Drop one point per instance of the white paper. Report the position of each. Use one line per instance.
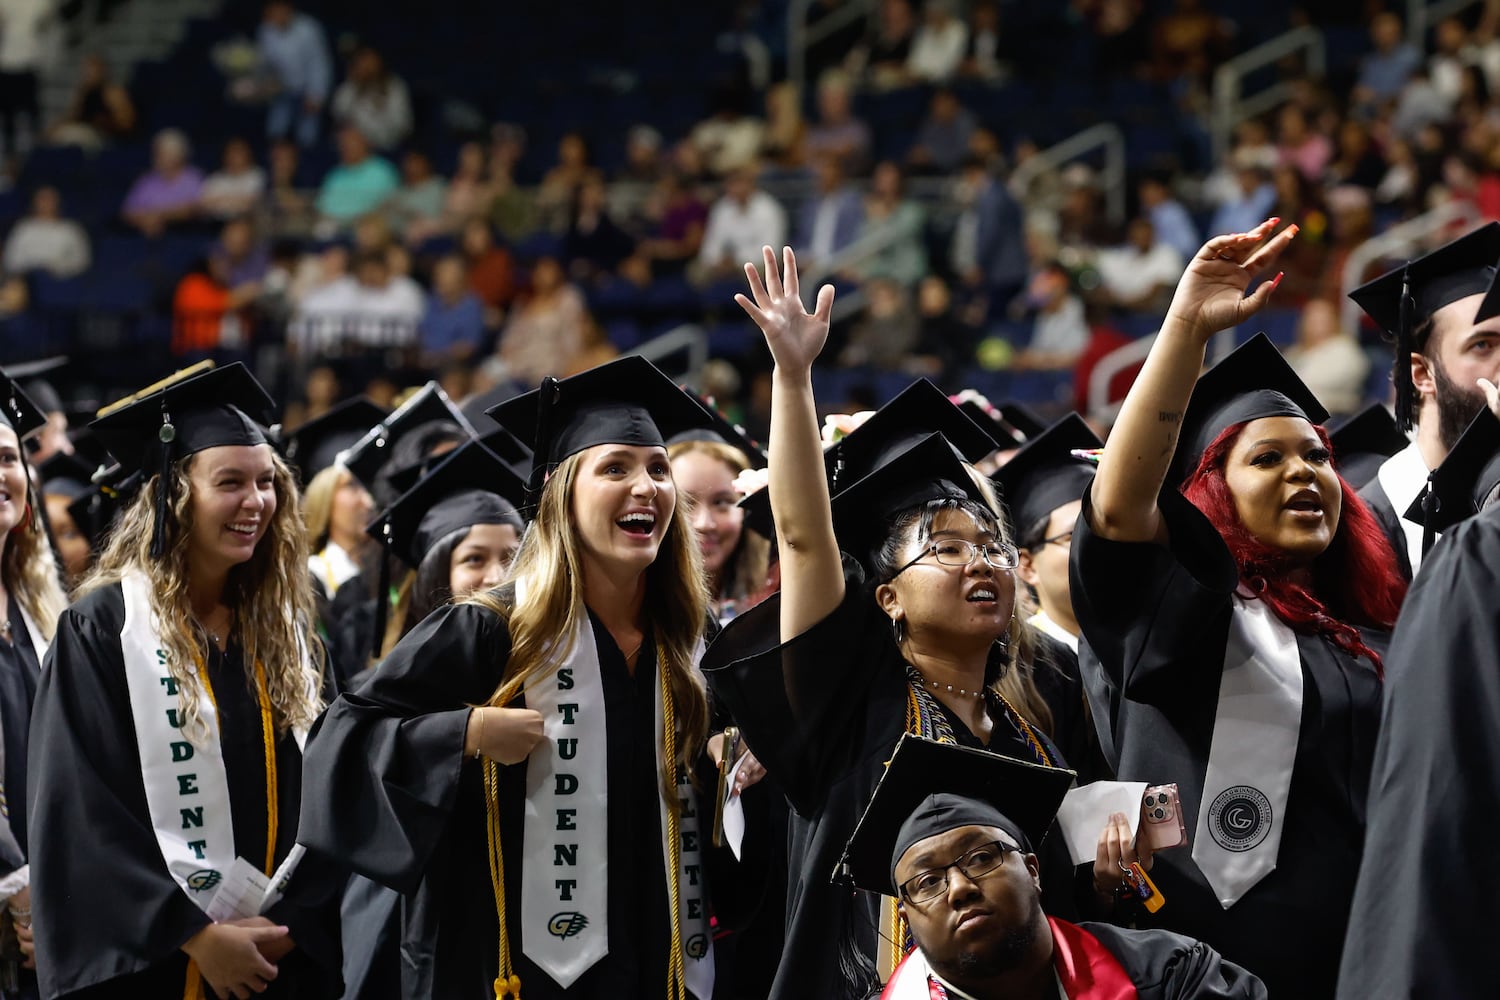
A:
(734, 809)
(1086, 810)
(247, 891)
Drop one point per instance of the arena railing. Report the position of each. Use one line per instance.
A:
(1399, 242)
(1103, 136)
(1232, 106)
(1420, 15)
(799, 34)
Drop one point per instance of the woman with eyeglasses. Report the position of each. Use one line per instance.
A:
(911, 634)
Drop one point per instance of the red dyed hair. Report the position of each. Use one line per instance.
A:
(1354, 581)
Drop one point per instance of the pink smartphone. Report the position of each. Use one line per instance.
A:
(1161, 819)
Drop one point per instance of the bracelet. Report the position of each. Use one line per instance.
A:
(479, 736)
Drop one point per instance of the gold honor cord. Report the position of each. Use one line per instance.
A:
(676, 974)
(507, 983)
(193, 988)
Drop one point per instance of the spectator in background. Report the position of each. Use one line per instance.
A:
(546, 330)
(938, 46)
(294, 55)
(1383, 72)
(491, 270)
(468, 192)
(988, 252)
(1061, 330)
(100, 110)
(885, 55)
(1419, 105)
(674, 237)
(554, 198)
(290, 203)
(830, 220)
(1301, 146)
(1355, 160)
(1329, 359)
(359, 184)
(238, 257)
(945, 136)
(644, 166)
(1447, 63)
(739, 224)
(374, 100)
(416, 208)
(1140, 275)
(983, 57)
(209, 314)
(512, 209)
(1251, 199)
(453, 327)
(784, 142)
(1252, 147)
(885, 335)
(45, 241)
(237, 186)
(1186, 41)
(373, 309)
(1173, 222)
(837, 131)
(944, 335)
(729, 139)
(168, 194)
(594, 244)
(896, 222)
(21, 60)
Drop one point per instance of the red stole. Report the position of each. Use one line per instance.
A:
(1087, 969)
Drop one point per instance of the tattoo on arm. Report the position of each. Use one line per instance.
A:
(1169, 416)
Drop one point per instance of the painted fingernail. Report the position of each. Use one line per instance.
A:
(1276, 281)
(1294, 229)
(1274, 220)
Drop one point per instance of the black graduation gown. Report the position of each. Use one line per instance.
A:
(1167, 966)
(1389, 519)
(110, 920)
(19, 672)
(1060, 683)
(1156, 621)
(391, 793)
(823, 712)
(1423, 921)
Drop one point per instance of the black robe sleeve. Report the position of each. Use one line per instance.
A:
(1421, 924)
(383, 764)
(1167, 966)
(1389, 519)
(111, 909)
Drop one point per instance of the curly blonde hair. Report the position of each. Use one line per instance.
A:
(269, 594)
(551, 563)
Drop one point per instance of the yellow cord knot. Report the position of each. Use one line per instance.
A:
(510, 987)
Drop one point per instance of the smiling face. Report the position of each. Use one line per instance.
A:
(482, 558)
(977, 928)
(939, 603)
(232, 500)
(718, 521)
(12, 480)
(622, 504)
(1284, 488)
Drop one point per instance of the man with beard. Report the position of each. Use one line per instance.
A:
(949, 832)
(1442, 312)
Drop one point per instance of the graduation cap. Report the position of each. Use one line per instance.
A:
(1363, 442)
(1458, 488)
(724, 432)
(66, 475)
(931, 788)
(316, 445)
(179, 416)
(30, 373)
(627, 401)
(18, 410)
(1402, 300)
(1254, 381)
(500, 441)
(1045, 474)
(94, 512)
(367, 456)
(476, 407)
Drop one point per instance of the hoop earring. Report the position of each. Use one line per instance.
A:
(898, 629)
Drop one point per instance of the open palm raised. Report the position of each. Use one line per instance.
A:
(794, 335)
(1211, 293)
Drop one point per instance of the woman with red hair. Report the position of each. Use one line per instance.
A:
(1235, 596)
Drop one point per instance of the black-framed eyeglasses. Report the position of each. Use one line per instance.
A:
(926, 886)
(1064, 539)
(961, 552)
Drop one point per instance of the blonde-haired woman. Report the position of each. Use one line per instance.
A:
(31, 598)
(169, 721)
(518, 764)
(736, 561)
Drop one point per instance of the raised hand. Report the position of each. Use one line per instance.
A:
(1211, 293)
(794, 335)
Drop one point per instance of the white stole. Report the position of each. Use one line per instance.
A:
(187, 790)
(565, 838)
(1249, 778)
(1402, 477)
(1043, 622)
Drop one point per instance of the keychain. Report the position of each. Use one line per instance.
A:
(1140, 883)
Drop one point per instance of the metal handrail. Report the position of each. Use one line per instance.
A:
(689, 336)
(1420, 13)
(799, 35)
(1231, 107)
(1113, 177)
(1399, 240)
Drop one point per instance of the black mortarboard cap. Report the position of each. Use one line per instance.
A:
(470, 485)
(18, 410)
(996, 426)
(367, 456)
(94, 512)
(1457, 487)
(500, 441)
(724, 432)
(1045, 474)
(180, 416)
(316, 445)
(1254, 381)
(1023, 418)
(42, 392)
(476, 407)
(931, 788)
(1403, 299)
(1363, 442)
(66, 475)
(627, 401)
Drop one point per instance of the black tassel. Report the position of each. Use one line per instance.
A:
(383, 592)
(1430, 507)
(1401, 373)
(546, 400)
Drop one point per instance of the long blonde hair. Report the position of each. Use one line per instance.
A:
(317, 504)
(543, 621)
(30, 570)
(745, 570)
(269, 594)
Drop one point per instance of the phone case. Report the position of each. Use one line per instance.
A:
(1161, 820)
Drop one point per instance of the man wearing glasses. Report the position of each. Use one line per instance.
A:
(950, 832)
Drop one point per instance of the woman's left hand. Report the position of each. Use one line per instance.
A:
(1116, 851)
(1210, 294)
(751, 771)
